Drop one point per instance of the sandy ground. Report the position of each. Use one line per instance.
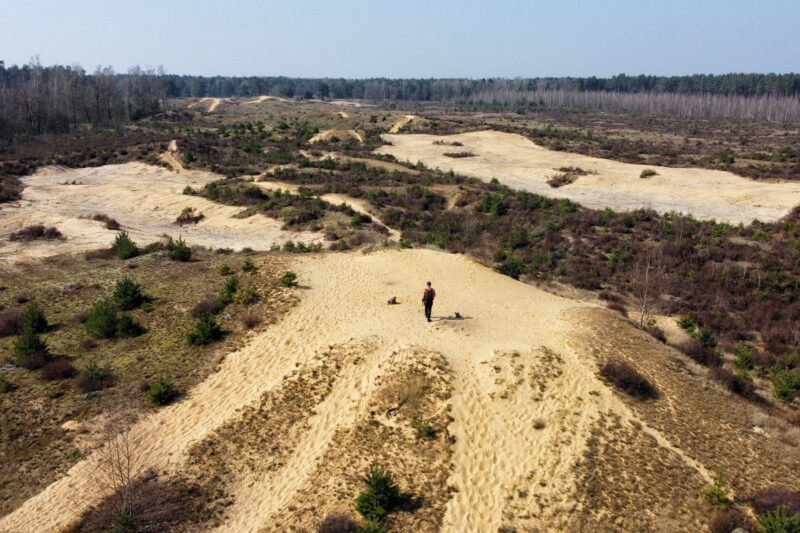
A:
(144, 199)
(400, 123)
(521, 164)
(265, 98)
(510, 333)
(213, 103)
(342, 135)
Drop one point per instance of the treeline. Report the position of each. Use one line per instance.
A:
(36, 99)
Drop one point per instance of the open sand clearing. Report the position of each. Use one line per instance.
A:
(264, 98)
(526, 408)
(342, 135)
(402, 122)
(213, 103)
(521, 164)
(144, 199)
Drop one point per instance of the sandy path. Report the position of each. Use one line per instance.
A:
(521, 164)
(264, 98)
(144, 199)
(512, 366)
(342, 135)
(214, 103)
(400, 123)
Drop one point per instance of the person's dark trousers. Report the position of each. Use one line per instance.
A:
(428, 308)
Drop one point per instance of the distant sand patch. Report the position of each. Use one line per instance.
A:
(342, 135)
(521, 164)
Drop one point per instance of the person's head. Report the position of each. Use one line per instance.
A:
(429, 284)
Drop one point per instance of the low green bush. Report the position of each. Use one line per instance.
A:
(124, 247)
(718, 494)
(101, 322)
(30, 350)
(380, 496)
(128, 327)
(205, 330)
(244, 295)
(127, 294)
(33, 318)
(162, 391)
(224, 270)
(406, 243)
(289, 279)
(786, 384)
(179, 251)
(5, 385)
(780, 521)
(225, 295)
(648, 172)
(424, 428)
(248, 266)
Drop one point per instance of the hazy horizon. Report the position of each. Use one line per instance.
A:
(450, 39)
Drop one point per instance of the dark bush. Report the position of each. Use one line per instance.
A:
(206, 330)
(101, 322)
(337, 523)
(774, 496)
(93, 378)
(58, 369)
(706, 338)
(5, 385)
(702, 354)
(10, 323)
(179, 251)
(162, 391)
(726, 521)
(656, 332)
(225, 295)
(38, 231)
(127, 294)
(626, 378)
(124, 247)
(109, 222)
(780, 521)
(206, 307)
(512, 267)
(618, 307)
(734, 383)
(381, 495)
(189, 216)
(128, 327)
(251, 320)
(786, 384)
(33, 317)
(30, 350)
(248, 266)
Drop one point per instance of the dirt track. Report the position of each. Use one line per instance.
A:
(521, 164)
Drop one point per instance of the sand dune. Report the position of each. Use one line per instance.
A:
(264, 98)
(525, 399)
(213, 103)
(521, 164)
(144, 199)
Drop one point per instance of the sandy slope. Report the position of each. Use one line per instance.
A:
(144, 199)
(213, 103)
(525, 397)
(521, 164)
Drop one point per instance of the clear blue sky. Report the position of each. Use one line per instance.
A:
(408, 38)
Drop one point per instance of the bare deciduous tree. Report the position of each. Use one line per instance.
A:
(647, 281)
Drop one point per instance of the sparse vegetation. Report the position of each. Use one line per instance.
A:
(647, 173)
(380, 496)
(289, 279)
(179, 250)
(162, 391)
(248, 267)
(718, 494)
(205, 331)
(124, 247)
(423, 428)
(31, 233)
(189, 216)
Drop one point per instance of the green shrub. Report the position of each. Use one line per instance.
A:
(179, 251)
(513, 266)
(30, 350)
(5, 385)
(244, 295)
(33, 318)
(406, 243)
(224, 270)
(424, 428)
(289, 279)
(786, 384)
(717, 495)
(162, 390)
(372, 526)
(686, 323)
(127, 294)
(248, 266)
(646, 173)
(206, 330)
(225, 295)
(706, 338)
(780, 521)
(380, 496)
(124, 247)
(101, 322)
(744, 361)
(128, 327)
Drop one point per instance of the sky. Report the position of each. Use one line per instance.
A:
(408, 38)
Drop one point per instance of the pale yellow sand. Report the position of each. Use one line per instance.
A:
(402, 122)
(213, 103)
(342, 135)
(521, 164)
(496, 442)
(144, 199)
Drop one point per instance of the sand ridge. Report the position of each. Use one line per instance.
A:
(521, 164)
(213, 103)
(397, 126)
(342, 135)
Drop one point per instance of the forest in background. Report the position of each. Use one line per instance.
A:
(35, 99)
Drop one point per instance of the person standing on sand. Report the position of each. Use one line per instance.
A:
(427, 299)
